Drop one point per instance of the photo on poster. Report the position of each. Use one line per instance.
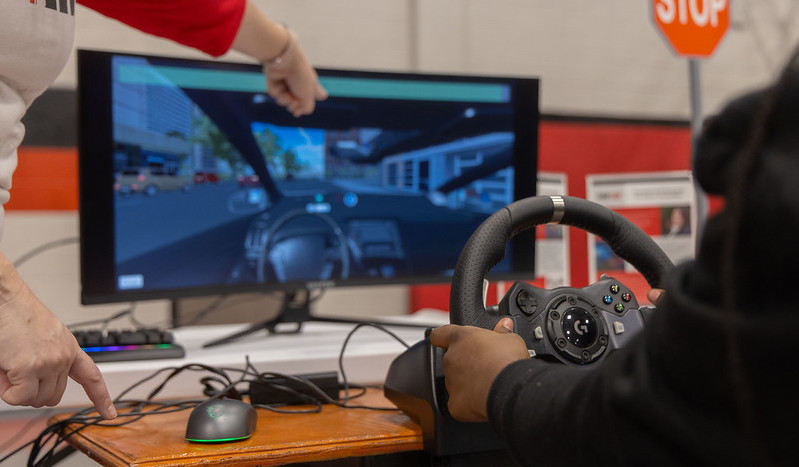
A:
(662, 204)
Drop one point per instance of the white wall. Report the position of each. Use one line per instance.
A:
(53, 274)
(595, 58)
(600, 58)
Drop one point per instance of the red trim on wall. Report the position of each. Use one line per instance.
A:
(579, 149)
(436, 296)
(46, 179)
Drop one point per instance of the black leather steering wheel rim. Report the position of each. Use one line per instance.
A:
(486, 247)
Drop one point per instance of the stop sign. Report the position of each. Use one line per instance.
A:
(692, 27)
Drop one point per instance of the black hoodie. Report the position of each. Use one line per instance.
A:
(713, 380)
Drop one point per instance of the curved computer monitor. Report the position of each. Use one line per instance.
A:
(193, 181)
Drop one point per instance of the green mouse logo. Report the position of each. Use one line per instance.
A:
(215, 410)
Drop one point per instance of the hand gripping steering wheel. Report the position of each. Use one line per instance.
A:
(572, 325)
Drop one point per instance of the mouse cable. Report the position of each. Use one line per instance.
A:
(56, 432)
(37, 441)
(24, 430)
(227, 390)
(176, 371)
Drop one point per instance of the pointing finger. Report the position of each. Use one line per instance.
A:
(85, 372)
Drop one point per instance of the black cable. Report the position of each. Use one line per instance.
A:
(22, 431)
(215, 305)
(132, 317)
(315, 395)
(344, 347)
(262, 377)
(104, 321)
(56, 431)
(204, 312)
(174, 372)
(42, 248)
(317, 297)
(58, 456)
(218, 385)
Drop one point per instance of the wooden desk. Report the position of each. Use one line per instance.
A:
(279, 439)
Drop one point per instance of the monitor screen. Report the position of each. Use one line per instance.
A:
(193, 181)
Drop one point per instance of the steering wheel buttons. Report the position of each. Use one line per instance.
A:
(531, 352)
(626, 297)
(618, 327)
(607, 299)
(538, 332)
(614, 288)
(619, 307)
(526, 302)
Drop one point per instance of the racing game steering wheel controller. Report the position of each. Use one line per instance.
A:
(577, 327)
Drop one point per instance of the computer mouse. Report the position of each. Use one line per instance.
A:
(221, 420)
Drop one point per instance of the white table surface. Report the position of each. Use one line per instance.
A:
(366, 360)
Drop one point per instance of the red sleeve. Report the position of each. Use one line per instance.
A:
(207, 25)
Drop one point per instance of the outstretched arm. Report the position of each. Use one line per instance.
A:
(290, 79)
(215, 27)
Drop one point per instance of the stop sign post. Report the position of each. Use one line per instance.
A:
(693, 28)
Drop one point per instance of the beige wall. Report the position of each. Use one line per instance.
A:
(594, 58)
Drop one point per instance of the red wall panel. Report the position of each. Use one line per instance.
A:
(46, 179)
(581, 148)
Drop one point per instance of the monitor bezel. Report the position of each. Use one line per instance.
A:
(96, 200)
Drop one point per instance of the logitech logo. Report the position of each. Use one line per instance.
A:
(580, 327)
(319, 284)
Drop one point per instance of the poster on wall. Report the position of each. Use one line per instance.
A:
(662, 204)
(552, 240)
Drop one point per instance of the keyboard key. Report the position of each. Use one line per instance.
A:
(128, 345)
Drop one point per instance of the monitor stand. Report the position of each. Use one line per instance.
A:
(298, 311)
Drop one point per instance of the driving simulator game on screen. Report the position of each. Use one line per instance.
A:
(215, 184)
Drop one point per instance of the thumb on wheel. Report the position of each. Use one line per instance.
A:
(504, 326)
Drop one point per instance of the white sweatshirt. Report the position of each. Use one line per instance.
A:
(35, 42)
